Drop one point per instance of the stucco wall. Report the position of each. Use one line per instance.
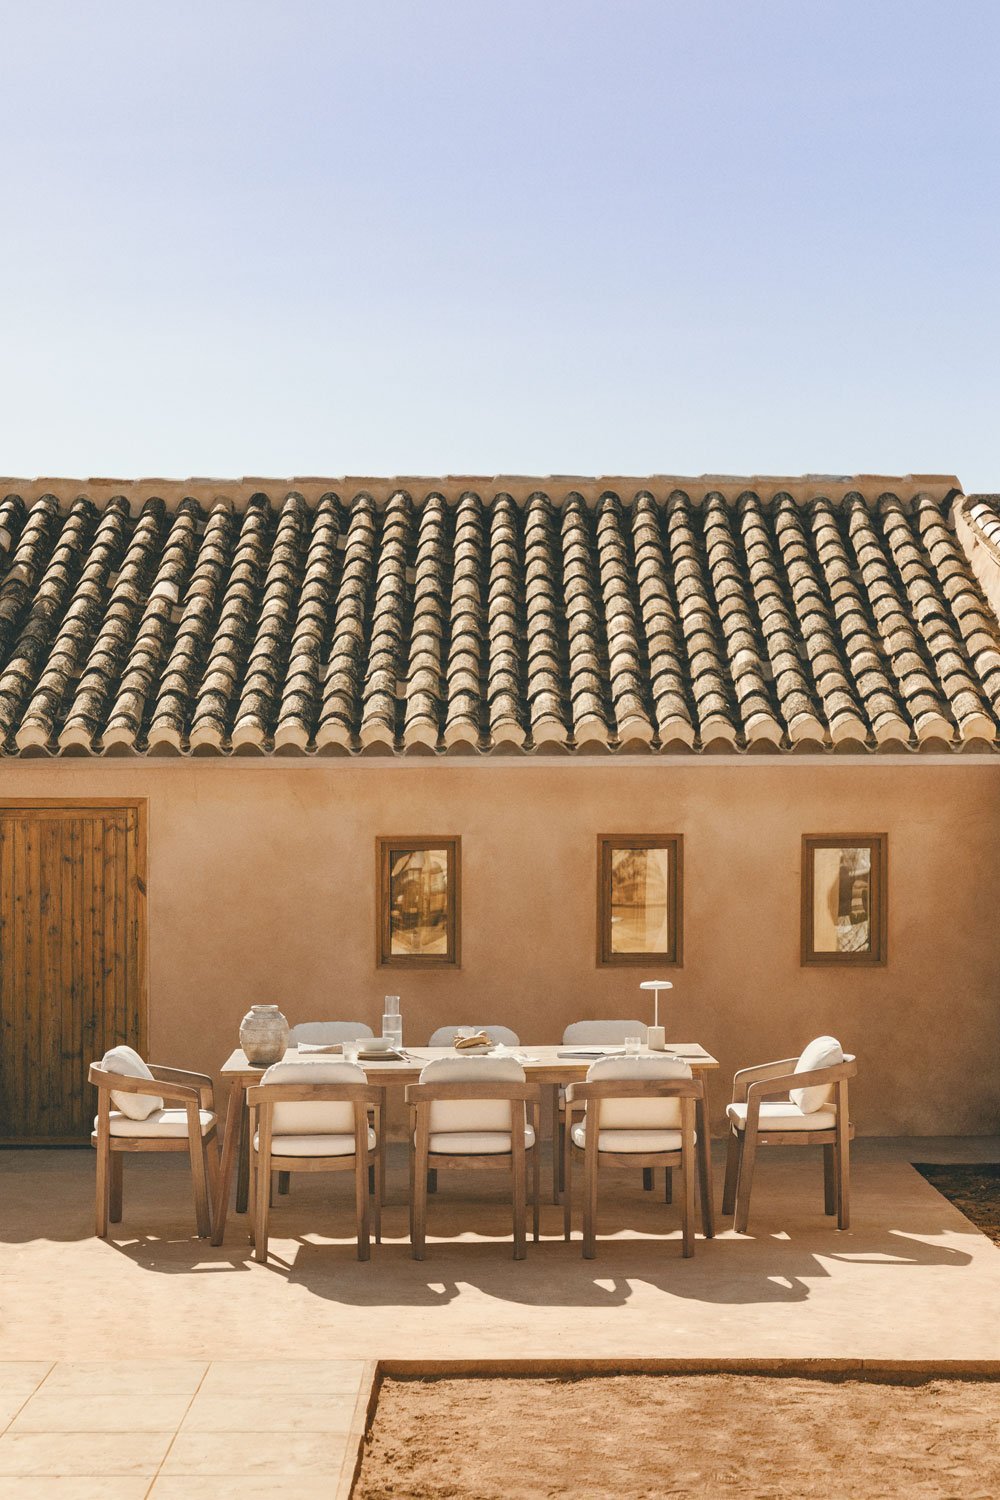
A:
(261, 887)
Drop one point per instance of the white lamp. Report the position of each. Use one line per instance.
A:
(655, 1037)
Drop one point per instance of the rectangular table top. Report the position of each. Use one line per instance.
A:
(541, 1064)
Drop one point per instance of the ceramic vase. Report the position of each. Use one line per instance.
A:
(263, 1035)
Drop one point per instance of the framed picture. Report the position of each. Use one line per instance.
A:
(419, 901)
(639, 885)
(844, 898)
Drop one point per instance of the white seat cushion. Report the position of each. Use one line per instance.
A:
(824, 1052)
(445, 1035)
(314, 1145)
(328, 1117)
(602, 1033)
(637, 1142)
(161, 1122)
(784, 1115)
(476, 1142)
(126, 1060)
(328, 1033)
(462, 1116)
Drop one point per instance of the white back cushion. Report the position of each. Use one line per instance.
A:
(611, 1032)
(471, 1114)
(326, 1033)
(126, 1060)
(638, 1114)
(824, 1052)
(322, 1118)
(444, 1035)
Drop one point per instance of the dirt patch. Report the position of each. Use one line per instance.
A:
(974, 1190)
(645, 1437)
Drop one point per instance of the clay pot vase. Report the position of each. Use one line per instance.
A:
(264, 1035)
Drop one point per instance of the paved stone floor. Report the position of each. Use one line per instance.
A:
(247, 1370)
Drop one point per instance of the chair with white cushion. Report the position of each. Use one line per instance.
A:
(793, 1102)
(313, 1117)
(473, 1112)
(328, 1033)
(148, 1108)
(631, 1111)
(502, 1035)
(588, 1034)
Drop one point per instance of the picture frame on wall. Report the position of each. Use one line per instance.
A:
(639, 899)
(418, 912)
(845, 907)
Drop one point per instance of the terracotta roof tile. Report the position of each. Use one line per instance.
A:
(466, 622)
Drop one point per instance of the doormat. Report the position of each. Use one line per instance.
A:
(974, 1190)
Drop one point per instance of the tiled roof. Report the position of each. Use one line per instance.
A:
(656, 618)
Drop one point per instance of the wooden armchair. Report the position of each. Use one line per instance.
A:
(669, 1141)
(821, 1118)
(188, 1127)
(319, 1124)
(474, 1112)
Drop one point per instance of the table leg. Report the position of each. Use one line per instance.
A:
(704, 1163)
(556, 1143)
(235, 1111)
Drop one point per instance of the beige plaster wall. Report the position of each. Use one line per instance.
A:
(261, 887)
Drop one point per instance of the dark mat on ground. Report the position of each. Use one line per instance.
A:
(974, 1190)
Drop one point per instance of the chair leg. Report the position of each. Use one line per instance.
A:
(261, 1211)
(101, 1190)
(536, 1189)
(284, 1183)
(214, 1168)
(688, 1170)
(743, 1186)
(115, 1195)
(519, 1190)
(590, 1202)
(418, 1234)
(199, 1174)
(361, 1207)
(566, 1176)
(733, 1153)
(668, 1185)
(829, 1180)
(647, 1179)
(843, 1151)
(556, 1144)
(377, 1197)
(432, 1180)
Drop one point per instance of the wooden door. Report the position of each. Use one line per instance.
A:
(72, 959)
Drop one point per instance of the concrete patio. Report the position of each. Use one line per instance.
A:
(179, 1340)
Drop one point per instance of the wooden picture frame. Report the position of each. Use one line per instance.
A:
(418, 911)
(665, 912)
(849, 926)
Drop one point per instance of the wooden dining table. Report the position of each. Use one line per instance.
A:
(551, 1065)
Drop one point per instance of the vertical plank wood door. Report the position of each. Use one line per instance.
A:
(72, 960)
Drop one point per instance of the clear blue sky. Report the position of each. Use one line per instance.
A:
(643, 236)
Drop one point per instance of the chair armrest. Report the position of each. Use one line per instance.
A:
(470, 1092)
(122, 1083)
(772, 1088)
(315, 1093)
(622, 1088)
(201, 1081)
(746, 1076)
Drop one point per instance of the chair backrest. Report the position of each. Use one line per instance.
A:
(823, 1052)
(444, 1035)
(326, 1033)
(463, 1115)
(126, 1060)
(611, 1032)
(325, 1117)
(638, 1114)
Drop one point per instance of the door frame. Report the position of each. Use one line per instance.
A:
(140, 806)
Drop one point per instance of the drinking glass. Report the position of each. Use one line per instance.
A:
(633, 1046)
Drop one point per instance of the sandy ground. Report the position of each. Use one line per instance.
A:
(648, 1437)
